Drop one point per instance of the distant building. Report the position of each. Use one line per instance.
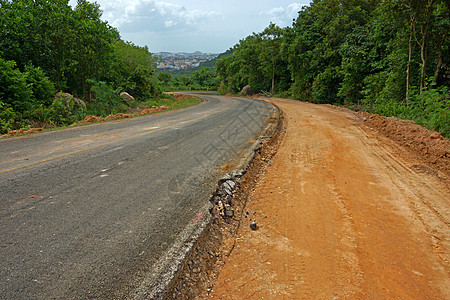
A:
(181, 61)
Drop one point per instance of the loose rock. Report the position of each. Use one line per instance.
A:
(127, 97)
(229, 213)
(228, 187)
(246, 91)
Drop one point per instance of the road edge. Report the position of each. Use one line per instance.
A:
(227, 208)
(202, 234)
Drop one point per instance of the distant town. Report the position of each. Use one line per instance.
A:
(182, 61)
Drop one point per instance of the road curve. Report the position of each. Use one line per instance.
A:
(85, 212)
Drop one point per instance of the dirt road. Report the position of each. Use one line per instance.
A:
(342, 214)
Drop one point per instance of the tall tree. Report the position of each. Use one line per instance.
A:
(271, 39)
(93, 45)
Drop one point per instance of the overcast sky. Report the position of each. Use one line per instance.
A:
(196, 25)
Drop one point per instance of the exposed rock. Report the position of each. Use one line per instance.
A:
(246, 91)
(127, 97)
(229, 200)
(70, 100)
(228, 187)
(253, 226)
(79, 102)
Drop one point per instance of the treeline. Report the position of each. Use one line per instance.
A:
(47, 46)
(203, 79)
(386, 56)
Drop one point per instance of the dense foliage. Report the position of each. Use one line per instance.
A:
(47, 46)
(202, 79)
(387, 56)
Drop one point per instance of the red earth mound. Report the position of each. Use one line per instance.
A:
(430, 145)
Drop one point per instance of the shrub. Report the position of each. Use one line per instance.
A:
(14, 89)
(64, 110)
(41, 86)
(106, 99)
(7, 117)
(430, 108)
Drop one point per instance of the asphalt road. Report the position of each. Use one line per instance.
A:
(86, 212)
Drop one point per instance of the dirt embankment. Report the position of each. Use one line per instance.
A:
(142, 112)
(427, 145)
(343, 211)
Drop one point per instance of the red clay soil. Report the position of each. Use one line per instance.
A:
(22, 131)
(146, 111)
(344, 212)
(429, 146)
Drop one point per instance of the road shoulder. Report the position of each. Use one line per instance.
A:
(341, 213)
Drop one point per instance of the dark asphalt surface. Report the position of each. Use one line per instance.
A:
(85, 212)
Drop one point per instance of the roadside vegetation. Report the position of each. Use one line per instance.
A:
(48, 48)
(389, 57)
(201, 80)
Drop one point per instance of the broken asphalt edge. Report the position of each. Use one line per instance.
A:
(157, 283)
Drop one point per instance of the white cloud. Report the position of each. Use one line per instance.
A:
(283, 16)
(277, 11)
(147, 15)
(170, 23)
(293, 9)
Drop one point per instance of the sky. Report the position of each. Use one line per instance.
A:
(211, 26)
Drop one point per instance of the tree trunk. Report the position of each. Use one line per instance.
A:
(423, 68)
(273, 78)
(439, 62)
(425, 28)
(408, 66)
(83, 85)
(422, 44)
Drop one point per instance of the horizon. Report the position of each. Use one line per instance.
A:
(183, 52)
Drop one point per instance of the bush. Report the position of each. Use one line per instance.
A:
(63, 111)
(325, 87)
(7, 117)
(106, 100)
(14, 89)
(41, 86)
(21, 94)
(431, 108)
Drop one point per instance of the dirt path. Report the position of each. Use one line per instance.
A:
(341, 214)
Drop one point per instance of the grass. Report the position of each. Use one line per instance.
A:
(170, 101)
(179, 104)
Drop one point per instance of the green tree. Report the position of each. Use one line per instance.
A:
(38, 32)
(165, 78)
(14, 89)
(134, 70)
(41, 86)
(94, 52)
(203, 78)
(271, 40)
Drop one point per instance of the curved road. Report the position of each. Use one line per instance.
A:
(86, 212)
